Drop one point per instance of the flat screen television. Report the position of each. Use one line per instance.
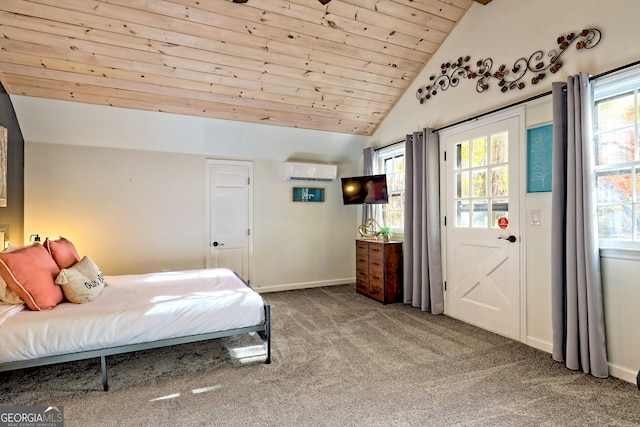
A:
(370, 189)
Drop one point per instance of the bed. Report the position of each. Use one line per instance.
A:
(135, 312)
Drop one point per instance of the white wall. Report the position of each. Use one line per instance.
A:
(506, 30)
(128, 188)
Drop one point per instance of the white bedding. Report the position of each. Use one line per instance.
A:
(8, 310)
(135, 309)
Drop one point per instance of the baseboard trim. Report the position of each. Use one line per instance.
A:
(305, 285)
(540, 345)
(620, 372)
(623, 373)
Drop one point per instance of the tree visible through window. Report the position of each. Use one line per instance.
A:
(391, 163)
(482, 181)
(617, 158)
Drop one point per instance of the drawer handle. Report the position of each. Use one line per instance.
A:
(374, 277)
(375, 263)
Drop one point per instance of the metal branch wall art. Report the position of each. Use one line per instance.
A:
(508, 78)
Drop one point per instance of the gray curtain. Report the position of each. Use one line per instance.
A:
(577, 307)
(422, 265)
(369, 156)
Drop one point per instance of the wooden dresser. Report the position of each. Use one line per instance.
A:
(379, 270)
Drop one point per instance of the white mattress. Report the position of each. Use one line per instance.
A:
(135, 309)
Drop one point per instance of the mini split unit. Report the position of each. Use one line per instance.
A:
(309, 171)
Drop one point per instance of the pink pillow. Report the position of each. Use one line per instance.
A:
(62, 251)
(30, 272)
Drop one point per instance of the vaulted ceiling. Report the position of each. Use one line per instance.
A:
(298, 63)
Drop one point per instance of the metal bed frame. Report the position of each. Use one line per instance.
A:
(263, 330)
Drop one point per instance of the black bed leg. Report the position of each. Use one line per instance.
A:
(267, 337)
(105, 382)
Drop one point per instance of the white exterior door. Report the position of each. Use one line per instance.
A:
(230, 216)
(481, 197)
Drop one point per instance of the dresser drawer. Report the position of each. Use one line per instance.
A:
(362, 263)
(376, 276)
(376, 250)
(362, 286)
(362, 273)
(376, 265)
(362, 248)
(376, 287)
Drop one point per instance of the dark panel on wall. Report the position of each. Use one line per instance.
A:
(13, 214)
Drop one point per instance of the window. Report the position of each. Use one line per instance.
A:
(482, 180)
(391, 163)
(617, 159)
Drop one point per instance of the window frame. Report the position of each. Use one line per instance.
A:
(608, 88)
(382, 155)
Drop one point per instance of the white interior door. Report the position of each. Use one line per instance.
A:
(482, 193)
(231, 216)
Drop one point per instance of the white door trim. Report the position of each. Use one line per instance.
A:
(519, 112)
(208, 164)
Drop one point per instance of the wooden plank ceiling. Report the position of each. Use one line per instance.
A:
(336, 67)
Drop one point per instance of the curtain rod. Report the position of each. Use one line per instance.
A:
(606, 73)
(388, 145)
(532, 98)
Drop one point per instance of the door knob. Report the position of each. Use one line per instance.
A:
(511, 238)
(217, 244)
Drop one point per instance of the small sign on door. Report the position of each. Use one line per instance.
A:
(503, 222)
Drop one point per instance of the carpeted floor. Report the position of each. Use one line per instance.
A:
(339, 359)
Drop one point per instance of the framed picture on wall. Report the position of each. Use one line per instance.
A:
(307, 194)
(539, 158)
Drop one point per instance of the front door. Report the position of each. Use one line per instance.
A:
(230, 216)
(482, 224)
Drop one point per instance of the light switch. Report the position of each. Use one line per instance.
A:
(535, 217)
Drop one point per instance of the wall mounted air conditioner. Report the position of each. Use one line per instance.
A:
(309, 171)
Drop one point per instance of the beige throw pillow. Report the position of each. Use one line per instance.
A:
(7, 295)
(81, 283)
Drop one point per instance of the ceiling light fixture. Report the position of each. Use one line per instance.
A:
(239, 1)
(324, 1)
